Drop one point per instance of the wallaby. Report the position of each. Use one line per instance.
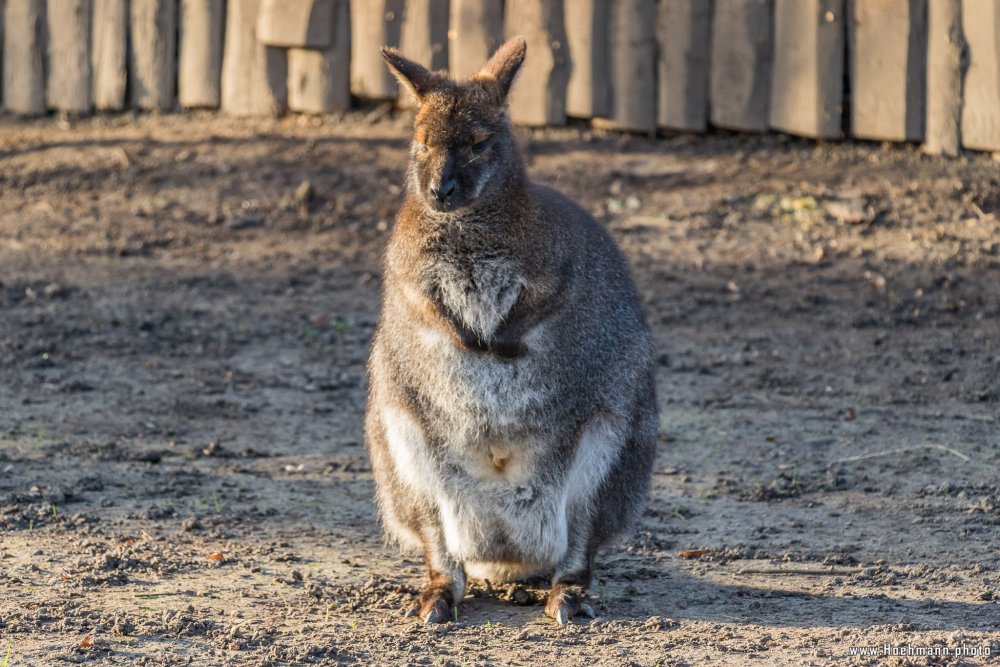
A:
(512, 415)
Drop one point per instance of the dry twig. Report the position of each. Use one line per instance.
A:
(805, 571)
(903, 450)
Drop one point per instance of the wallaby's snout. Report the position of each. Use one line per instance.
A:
(435, 172)
(462, 145)
(443, 190)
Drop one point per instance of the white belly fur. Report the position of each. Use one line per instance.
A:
(477, 502)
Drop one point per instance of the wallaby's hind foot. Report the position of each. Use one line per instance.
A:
(436, 603)
(567, 601)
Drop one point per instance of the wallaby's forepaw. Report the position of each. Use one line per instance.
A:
(435, 604)
(567, 601)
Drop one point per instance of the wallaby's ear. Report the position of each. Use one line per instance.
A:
(505, 63)
(415, 77)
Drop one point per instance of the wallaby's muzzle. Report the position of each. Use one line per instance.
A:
(443, 190)
(454, 176)
(443, 187)
(439, 182)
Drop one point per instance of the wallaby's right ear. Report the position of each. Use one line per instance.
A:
(505, 63)
(415, 77)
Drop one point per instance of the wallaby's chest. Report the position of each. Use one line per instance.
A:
(475, 388)
(478, 291)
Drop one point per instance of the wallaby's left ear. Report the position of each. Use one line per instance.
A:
(415, 77)
(505, 63)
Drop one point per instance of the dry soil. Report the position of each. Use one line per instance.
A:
(186, 304)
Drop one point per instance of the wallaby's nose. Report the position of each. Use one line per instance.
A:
(444, 189)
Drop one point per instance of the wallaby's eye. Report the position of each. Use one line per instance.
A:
(420, 140)
(480, 140)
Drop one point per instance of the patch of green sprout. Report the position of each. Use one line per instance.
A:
(309, 332)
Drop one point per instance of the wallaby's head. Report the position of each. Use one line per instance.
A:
(462, 143)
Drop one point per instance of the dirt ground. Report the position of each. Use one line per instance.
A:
(185, 310)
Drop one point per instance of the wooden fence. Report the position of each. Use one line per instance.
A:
(897, 70)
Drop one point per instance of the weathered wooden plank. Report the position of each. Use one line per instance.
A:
(254, 76)
(633, 65)
(887, 41)
(945, 44)
(740, 76)
(684, 32)
(539, 96)
(152, 53)
(807, 79)
(3, 11)
(199, 62)
(68, 86)
(981, 88)
(374, 24)
(424, 33)
(109, 52)
(296, 23)
(319, 81)
(587, 93)
(475, 33)
(24, 57)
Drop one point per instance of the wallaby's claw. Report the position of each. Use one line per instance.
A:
(439, 612)
(433, 605)
(566, 601)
